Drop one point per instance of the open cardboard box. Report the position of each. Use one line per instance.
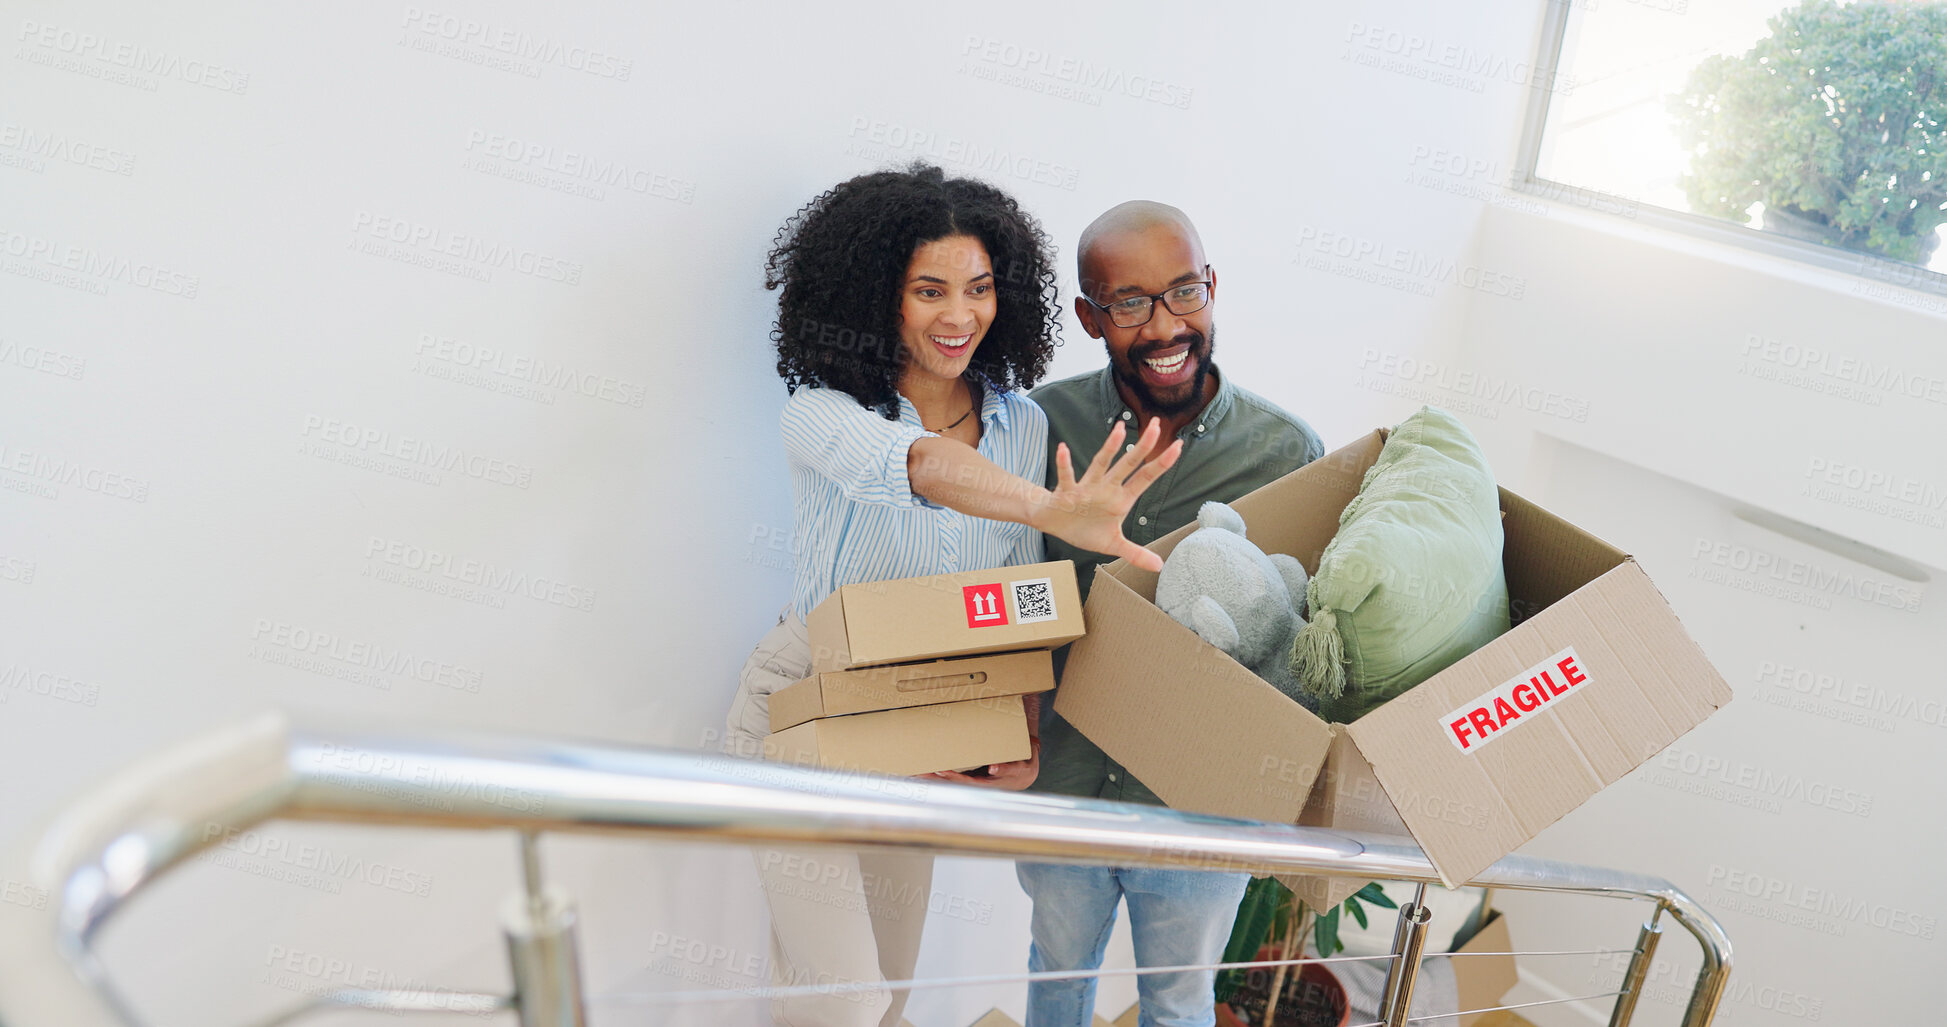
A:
(1209, 736)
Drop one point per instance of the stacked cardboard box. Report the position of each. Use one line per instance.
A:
(925, 674)
(1446, 762)
(1489, 973)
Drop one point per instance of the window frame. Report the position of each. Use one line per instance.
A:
(1554, 32)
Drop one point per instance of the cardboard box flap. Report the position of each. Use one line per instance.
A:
(825, 627)
(843, 692)
(1546, 557)
(1471, 789)
(1296, 514)
(1347, 797)
(1270, 748)
(796, 703)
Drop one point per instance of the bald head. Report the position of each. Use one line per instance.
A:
(1134, 217)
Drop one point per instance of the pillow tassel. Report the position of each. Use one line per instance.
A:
(1318, 656)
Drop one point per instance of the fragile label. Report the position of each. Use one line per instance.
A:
(1522, 698)
(985, 608)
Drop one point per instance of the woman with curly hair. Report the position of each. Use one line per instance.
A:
(915, 311)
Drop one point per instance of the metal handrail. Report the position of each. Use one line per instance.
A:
(105, 846)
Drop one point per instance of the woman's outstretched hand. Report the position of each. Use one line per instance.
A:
(1087, 513)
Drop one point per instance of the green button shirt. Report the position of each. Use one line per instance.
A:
(1240, 442)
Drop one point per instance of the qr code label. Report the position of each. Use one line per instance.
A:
(1034, 600)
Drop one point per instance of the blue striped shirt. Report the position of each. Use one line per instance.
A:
(855, 516)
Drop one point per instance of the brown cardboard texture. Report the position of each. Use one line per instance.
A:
(1028, 606)
(1346, 795)
(915, 740)
(1485, 978)
(841, 692)
(1596, 676)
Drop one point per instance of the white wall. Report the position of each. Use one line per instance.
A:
(1803, 814)
(1312, 156)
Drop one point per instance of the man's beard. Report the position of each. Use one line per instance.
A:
(1183, 397)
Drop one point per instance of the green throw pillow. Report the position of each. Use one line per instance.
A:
(1413, 579)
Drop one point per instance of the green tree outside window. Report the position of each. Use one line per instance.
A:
(1833, 122)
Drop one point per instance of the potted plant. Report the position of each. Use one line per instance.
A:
(1833, 122)
(1272, 924)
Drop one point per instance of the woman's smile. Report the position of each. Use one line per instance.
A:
(954, 346)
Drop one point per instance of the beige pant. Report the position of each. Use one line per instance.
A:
(838, 916)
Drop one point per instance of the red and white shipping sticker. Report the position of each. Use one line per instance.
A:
(1515, 701)
(985, 607)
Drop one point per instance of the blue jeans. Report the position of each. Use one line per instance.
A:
(1176, 918)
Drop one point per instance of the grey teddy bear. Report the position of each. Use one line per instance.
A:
(1236, 597)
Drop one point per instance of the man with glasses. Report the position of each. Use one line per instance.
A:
(1149, 295)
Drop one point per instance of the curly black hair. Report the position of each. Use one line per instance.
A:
(841, 261)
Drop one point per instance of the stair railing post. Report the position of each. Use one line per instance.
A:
(1638, 972)
(1408, 939)
(539, 922)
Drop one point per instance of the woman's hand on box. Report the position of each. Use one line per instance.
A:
(1088, 512)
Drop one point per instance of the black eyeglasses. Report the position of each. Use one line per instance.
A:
(1135, 311)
